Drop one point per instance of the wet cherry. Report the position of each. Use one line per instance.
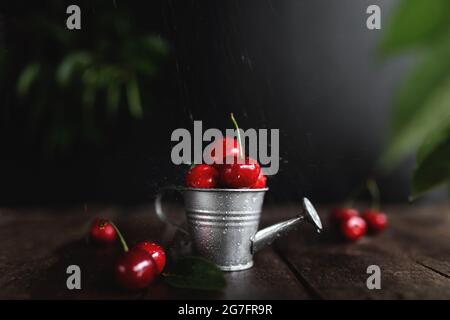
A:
(237, 171)
(136, 269)
(353, 228)
(102, 231)
(240, 175)
(376, 220)
(202, 176)
(261, 182)
(156, 252)
(229, 147)
(342, 213)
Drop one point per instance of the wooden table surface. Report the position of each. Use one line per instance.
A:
(37, 245)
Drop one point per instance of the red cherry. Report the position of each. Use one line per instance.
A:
(229, 147)
(353, 228)
(261, 182)
(136, 269)
(202, 176)
(157, 253)
(342, 214)
(376, 220)
(102, 231)
(236, 175)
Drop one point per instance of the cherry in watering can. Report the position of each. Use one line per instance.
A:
(223, 223)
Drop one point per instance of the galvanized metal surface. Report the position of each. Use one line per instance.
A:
(223, 224)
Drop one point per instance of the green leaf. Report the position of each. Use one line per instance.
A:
(134, 98)
(415, 23)
(420, 83)
(154, 44)
(26, 78)
(430, 143)
(144, 66)
(422, 107)
(88, 96)
(196, 273)
(433, 170)
(70, 64)
(90, 77)
(113, 98)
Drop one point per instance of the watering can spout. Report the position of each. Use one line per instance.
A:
(268, 235)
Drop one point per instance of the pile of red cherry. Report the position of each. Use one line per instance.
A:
(353, 226)
(226, 171)
(140, 265)
(227, 175)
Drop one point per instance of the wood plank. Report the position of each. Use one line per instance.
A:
(414, 255)
(425, 235)
(269, 278)
(51, 240)
(337, 270)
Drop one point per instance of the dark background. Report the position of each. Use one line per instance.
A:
(307, 67)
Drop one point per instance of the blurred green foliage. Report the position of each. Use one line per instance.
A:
(76, 83)
(421, 110)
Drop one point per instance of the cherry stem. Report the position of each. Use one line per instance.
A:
(121, 238)
(241, 152)
(355, 193)
(374, 193)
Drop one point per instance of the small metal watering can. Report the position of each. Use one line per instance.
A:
(223, 223)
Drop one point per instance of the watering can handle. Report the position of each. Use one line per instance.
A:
(159, 208)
